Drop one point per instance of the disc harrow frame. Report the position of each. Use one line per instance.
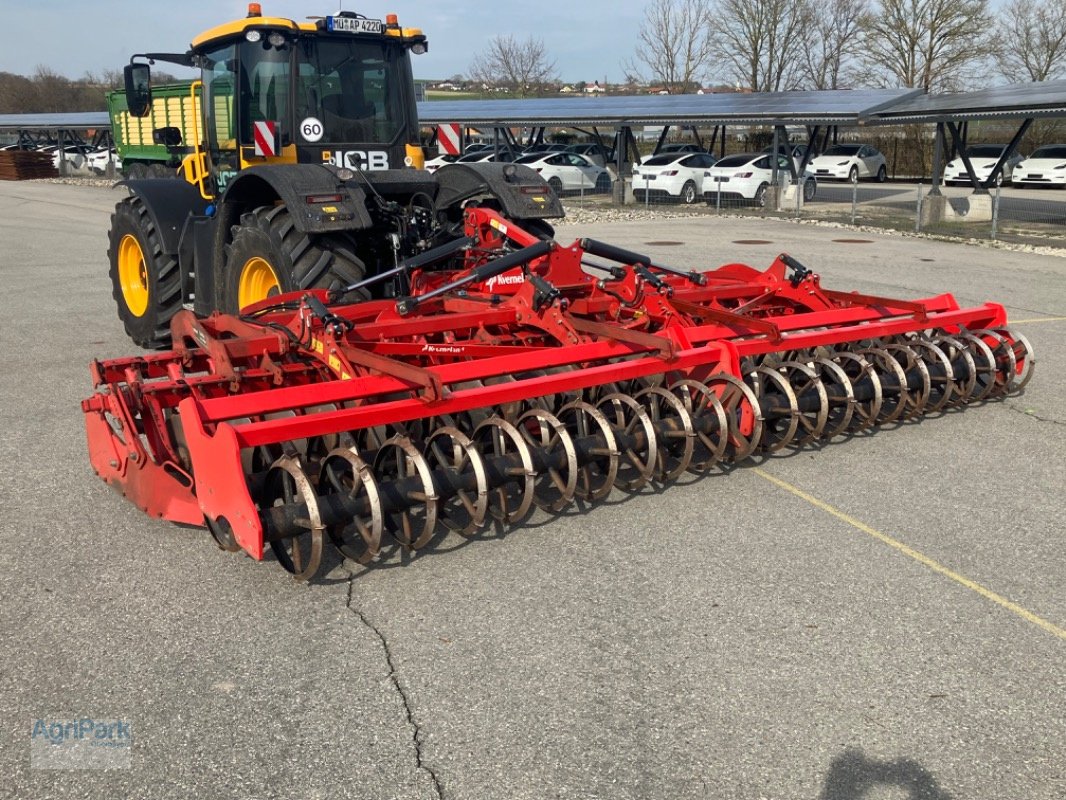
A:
(517, 372)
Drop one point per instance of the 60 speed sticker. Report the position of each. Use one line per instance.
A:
(311, 129)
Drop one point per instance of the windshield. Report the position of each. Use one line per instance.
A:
(356, 88)
(532, 157)
(842, 150)
(1050, 151)
(986, 151)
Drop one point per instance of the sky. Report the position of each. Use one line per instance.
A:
(588, 42)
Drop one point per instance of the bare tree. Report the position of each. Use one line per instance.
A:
(675, 48)
(926, 44)
(763, 41)
(835, 42)
(519, 67)
(1034, 45)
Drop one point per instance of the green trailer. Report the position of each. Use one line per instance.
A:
(154, 145)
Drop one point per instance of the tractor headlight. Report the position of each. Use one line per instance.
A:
(276, 39)
(253, 35)
(418, 48)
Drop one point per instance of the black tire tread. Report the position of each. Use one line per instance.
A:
(311, 261)
(151, 331)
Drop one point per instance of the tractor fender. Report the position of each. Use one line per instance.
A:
(169, 203)
(521, 192)
(317, 199)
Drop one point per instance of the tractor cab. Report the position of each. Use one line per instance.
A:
(337, 90)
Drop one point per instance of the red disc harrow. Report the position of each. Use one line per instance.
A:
(516, 374)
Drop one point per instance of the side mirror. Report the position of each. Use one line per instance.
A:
(138, 79)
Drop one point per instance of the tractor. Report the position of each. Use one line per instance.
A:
(303, 170)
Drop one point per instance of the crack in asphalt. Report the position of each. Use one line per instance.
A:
(1032, 415)
(394, 676)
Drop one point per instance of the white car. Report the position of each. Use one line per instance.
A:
(1045, 167)
(982, 158)
(850, 162)
(434, 164)
(673, 149)
(675, 175)
(568, 172)
(97, 160)
(748, 176)
(72, 154)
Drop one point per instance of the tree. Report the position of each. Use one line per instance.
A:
(763, 41)
(520, 67)
(1034, 47)
(676, 49)
(835, 44)
(926, 44)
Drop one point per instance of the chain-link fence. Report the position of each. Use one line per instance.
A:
(1017, 214)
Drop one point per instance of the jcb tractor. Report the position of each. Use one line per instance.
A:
(303, 172)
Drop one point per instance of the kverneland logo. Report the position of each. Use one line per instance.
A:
(453, 349)
(505, 280)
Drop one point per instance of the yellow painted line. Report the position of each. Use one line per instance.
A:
(921, 558)
(1038, 319)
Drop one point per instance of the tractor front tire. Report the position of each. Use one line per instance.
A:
(146, 282)
(268, 256)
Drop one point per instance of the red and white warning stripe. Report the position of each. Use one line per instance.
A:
(266, 138)
(449, 139)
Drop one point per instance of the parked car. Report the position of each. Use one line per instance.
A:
(593, 151)
(797, 151)
(675, 147)
(73, 154)
(433, 164)
(851, 162)
(98, 160)
(674, 175)
(485, 155)
(1045, 167)
(545, 147)
(982, 158)
(568, 171)
(748, 176)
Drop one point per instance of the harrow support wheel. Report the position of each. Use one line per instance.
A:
(448, 448)
(712, 427)
(415, 517)
(287, 483)
(865, 389)
(555, 486)
(743, 413)
(677, 437)
(893, 382)
(963, 380)
(596, 476)
(1023, 358)
(808, 388)
(911, 364)
(780, 426)
(839, 397)
(510, 502)
(345, 472)
(634, 428)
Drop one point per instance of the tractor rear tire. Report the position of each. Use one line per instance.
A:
(269, 256)
(146, 282)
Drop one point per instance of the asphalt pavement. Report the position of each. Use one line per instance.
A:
(882, 617)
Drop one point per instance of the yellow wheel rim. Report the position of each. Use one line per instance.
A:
(258, 282)
(133, 275)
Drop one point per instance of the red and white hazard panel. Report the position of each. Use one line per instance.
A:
(449, 139)
(266, 138)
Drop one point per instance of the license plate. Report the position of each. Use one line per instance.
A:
(721, 179)
(1034, 175)
(354, 25)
